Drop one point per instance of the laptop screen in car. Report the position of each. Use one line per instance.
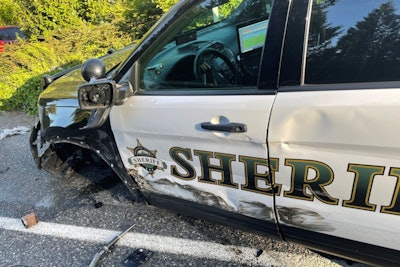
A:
(252, 36)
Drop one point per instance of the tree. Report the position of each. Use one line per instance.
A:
(10, 13)
(98, 11)
(364, 53)
(373, 44)
(139, 16)
(321, 48)
(165, 5)
(321, 32)
(43, 16)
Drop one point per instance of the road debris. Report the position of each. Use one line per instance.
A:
(107, 248)
(98, 204)
(258, 253)
(29, 220)
(137, 258)
(14, 131)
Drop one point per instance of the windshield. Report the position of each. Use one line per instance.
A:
(211, 14)
(233, 12)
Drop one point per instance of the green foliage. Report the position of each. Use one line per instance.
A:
(99, 11)
(70, 31)
(20, 69)
(27, 96)
(226, 9)
(165, 5)
(10, 13)
(43, 16)
(139, 16)
(24, 63)
(214, 15)
(88, 41)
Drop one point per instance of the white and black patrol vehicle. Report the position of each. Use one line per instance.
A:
(275, 116)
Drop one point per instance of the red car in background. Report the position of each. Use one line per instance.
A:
(9, 34)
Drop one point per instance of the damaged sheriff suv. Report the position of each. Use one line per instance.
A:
(275, 116)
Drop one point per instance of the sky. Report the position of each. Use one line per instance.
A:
(346, 13)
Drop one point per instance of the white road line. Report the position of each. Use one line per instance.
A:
(165, 244)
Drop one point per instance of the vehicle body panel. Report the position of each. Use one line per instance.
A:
(171, 127)
(314, 164)
(9, 34)
(349, 133)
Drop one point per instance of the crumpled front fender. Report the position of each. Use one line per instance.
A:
(62, 152)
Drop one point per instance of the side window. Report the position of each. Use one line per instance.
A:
(216, 44)
(353, 41)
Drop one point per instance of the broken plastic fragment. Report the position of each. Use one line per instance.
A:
(15, 131)
(98, 204)
(258, 253)
(138, 257)
(29, 220)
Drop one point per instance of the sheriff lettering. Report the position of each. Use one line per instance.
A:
(302, 187)
(144, 160)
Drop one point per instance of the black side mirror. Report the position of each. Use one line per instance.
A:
(98, 92)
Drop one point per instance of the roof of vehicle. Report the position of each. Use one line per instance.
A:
(8, 27)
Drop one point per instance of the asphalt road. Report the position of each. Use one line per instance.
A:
(79, 215)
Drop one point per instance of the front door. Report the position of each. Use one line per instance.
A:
(196, 128)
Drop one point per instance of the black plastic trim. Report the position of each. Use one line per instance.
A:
(195, 92)
(352, 250)
(271, 56)
(341, 87)
(292, 58)
(229, 127)
(34, 145)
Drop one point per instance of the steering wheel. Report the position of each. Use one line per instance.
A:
(213, 68)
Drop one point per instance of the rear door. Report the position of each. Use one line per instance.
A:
(334, 127)
(196, 129)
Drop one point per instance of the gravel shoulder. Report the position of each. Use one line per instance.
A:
(12, 119)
